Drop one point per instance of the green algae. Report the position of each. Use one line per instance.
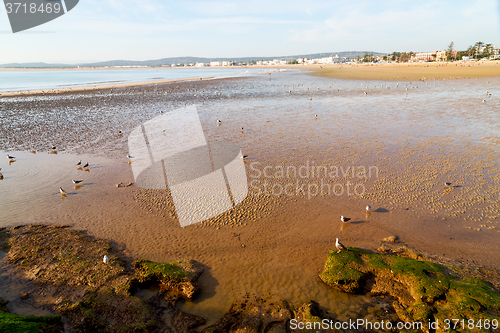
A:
(12, 323)
(423, 290)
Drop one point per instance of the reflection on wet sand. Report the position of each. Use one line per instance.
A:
(436, 134)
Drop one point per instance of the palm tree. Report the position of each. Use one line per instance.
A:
(488, 50)
(478, 46)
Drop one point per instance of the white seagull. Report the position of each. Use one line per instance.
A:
(86, 165)
(76, 181)
(339, 246)
(345, 219)
(10, 157)
(105, 259)
(61, 190)
(368, 208)
(79, 162)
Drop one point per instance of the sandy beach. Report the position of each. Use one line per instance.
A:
(417, 135)
(410, 71)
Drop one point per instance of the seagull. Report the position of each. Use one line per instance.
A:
(310, 99)
(368, 209)
(105, 259)
(244, 156)
(76, 181)
(86, 165)
(128, 156)
(447, 184)
(61, 190)
(10, 157)
(219, 122)
(79, 162)
(345, 219)
(339, 246)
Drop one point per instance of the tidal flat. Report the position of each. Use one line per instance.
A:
(418, 135)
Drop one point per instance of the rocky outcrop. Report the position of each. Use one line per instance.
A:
(422, 291)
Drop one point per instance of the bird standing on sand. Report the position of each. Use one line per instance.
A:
(447, 184)
(10, 157)
(368, 209)
(79, 162)
(86, 165)
(1, 176)
(76, 181)
(105, 259)
(345, 219)
(61, 190)
(339, 246)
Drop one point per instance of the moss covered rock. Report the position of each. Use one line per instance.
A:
(422, 290)
(12, 323)
(93, 295)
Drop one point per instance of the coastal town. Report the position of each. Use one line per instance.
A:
(479, 51)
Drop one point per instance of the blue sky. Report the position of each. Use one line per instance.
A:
(98, 30)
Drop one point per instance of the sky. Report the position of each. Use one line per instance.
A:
(99, 30)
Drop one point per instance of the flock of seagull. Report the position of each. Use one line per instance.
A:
(75, 181)
(61, 190)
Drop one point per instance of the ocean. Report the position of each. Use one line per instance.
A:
(23, 80)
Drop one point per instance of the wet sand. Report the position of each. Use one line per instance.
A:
(418, 138)
(94, 87)
(410, 71)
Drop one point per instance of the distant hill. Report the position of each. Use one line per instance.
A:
(185, 60)
(35, 65)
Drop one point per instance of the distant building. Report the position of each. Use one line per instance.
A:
(441, 55)
(424, 56)
(216, 63)
(495, 52)
(199, 64)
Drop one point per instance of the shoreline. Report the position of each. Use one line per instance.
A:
(385, 72)
(100, 87)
